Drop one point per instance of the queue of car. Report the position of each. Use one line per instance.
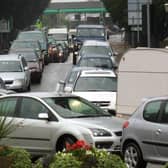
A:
(82, 107)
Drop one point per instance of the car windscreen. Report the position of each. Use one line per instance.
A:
(60, 36)
(34, 36)
(104, 50)
(91, 83)
(30, 56)
(10, 66)
(73, 107)
(96, 62)
(93, 32)
(31, 35)
(24, 44)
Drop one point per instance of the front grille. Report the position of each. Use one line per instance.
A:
(118, 133)
(8, 82)
(101, 103)
(103, 145)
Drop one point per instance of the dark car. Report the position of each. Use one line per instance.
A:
(89, 32)
(35, 63)
(99, 61)
(29, 44)
(36, 35)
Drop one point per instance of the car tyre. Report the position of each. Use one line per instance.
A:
(133, 156)
(63, 141)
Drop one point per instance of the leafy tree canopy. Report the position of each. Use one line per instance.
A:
(23, 12)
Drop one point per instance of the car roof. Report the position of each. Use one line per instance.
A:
(93, 55)
(96, 43)
(98, 72)
(90, 26)
(10, 57)
(80, 68)
(32, 31)
(26, 40)
(42, 94)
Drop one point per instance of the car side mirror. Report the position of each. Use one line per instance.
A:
(68, 89)
(116, 53)
(43, 116)
(26, 68)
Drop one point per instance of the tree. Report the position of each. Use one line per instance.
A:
(117, 10)
(159, 19)
(22, 12)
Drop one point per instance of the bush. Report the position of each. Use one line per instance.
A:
(80, 155)
(166, 166)
(20, 158)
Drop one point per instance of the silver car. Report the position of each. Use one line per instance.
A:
(15, 72)
(145, 134)
(45, 122)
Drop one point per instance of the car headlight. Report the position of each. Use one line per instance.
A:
(18, 82)
(100, 132)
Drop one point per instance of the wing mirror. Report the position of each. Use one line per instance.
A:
(43, 116)
(68, 89)
(26, 68)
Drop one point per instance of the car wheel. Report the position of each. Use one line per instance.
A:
(133, 156)
(29, 87)
(61, 145)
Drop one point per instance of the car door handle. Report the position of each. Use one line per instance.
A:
(158, 131)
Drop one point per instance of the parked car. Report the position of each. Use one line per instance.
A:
(145, 133)
(98, 86)
(15, 72)
(45, 122)
(28, 44)
(35, 63)
(38, 36)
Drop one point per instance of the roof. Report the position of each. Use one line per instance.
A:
(95, 43)
(95, 55)
(10, 57)
(142, 60)
(43, 94)
(98, 73)
(57, 30)
(90, 26)
(75, 5)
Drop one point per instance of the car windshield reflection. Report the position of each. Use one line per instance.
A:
(72, 107)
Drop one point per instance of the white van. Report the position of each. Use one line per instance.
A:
(60, 34)
(142, 72)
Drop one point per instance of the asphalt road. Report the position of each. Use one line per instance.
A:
(58, 71)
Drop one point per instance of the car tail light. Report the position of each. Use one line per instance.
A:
(126, 124)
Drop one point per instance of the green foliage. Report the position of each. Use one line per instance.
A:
(6, 127)
(37, 164)
(166, 166)
(65, 160)
(117, 10)
(23, 12)
(20, 158)
(80, 155)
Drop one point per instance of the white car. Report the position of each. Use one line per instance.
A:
(98, 86)
(14, 72)
(45, 122)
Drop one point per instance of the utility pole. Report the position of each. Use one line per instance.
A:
(148, 25)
